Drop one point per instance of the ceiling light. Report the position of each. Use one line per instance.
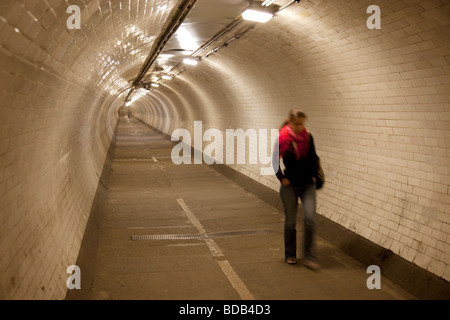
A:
(267, 3)
(165, 77)
(155, 85)
(165, 56)
(191, 61)
(187, 39)
(256, 15)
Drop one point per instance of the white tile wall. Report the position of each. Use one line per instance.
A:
(56, 126)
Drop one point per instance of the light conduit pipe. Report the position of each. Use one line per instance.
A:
(183, 11)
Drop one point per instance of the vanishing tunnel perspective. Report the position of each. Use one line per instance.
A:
(225, 150)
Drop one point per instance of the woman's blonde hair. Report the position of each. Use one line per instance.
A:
(294, 113)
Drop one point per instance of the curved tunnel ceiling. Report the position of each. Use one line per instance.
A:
(209, 27)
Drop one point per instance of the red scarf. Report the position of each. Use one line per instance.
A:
(289, 137)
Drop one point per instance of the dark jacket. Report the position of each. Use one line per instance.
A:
(300, 172)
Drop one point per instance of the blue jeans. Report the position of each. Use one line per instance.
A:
(289, 196)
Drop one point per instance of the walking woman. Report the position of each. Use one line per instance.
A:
(298, 180)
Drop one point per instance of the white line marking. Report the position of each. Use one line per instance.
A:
(235, 281)
(191, 216)
(214, 248)
(216, 252)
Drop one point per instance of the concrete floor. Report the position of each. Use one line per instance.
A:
(149, 195)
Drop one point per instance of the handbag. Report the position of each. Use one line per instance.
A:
(320, 179)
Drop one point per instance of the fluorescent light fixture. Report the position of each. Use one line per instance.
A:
(155, 85)
(256, 15)
(191, 61)
(165, 77)
(186, 38)
(165, 56)
(128, 103)
(267, 3)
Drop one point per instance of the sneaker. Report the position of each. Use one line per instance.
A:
(291, 260)
(313, 265)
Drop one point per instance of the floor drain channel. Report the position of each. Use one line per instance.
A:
(201, 235)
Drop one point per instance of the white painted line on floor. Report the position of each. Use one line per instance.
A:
(235, 281)
(191, 216)
(216, 252)
(214, 248)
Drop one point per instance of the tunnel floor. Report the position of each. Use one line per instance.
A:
(150, 196)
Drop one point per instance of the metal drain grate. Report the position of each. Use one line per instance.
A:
(168, 237)
(202, 235)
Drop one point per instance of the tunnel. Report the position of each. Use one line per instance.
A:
(120, 177)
